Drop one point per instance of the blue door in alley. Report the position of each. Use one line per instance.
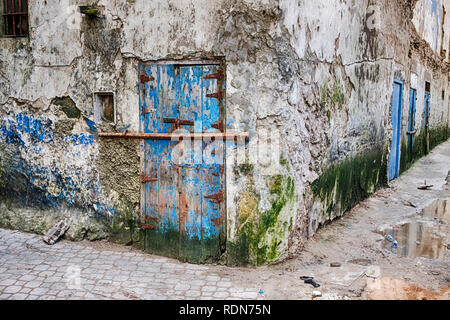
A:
(426, 122)
(183, 201)
(412, 120)
(394, 158)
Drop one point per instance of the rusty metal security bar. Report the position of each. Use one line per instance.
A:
(170, 136)
(15, 15)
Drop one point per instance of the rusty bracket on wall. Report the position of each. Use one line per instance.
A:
(146, 226)
(170, 136)
(145, 179)
(146, 78)
(179, 122)
(217, 95)
(219, 75)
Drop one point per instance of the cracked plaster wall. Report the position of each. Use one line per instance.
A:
(313, 70)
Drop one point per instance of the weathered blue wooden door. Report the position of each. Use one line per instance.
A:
(394, 158)
(412, 119)
(183, 197)
(426, 118)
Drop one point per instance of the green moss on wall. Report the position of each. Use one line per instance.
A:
(260, 234)
(342, 185)
(406, 157)
(125, 225)
(68, 106)
(245, 168)
(438, 135)
(420, 145)
(91, 11)
(338, 96)
(409, 154)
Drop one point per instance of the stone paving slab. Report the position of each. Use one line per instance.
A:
(32, 270)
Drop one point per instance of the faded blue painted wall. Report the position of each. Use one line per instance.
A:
(41, 167)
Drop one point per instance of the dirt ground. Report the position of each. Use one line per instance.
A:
(367, 265)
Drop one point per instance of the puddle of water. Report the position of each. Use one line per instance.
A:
(439, 211)
(429, 238)
(417, 239)
(396, 289)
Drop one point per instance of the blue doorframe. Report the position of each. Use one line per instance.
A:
(427, 121)
(412, 120)
(394, 158)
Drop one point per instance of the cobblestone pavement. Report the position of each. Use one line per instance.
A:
(30, 269)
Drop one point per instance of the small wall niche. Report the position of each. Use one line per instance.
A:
(104, 108)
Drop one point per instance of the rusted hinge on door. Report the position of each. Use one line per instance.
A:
(145, 179)
(219, 75)
(216, 197)
(218, 95)
(146, 78)
(146, 226)
(179, 122)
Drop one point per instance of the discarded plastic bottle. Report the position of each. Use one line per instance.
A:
(394, 244)
(389, 238)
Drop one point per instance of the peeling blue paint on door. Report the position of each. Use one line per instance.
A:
(394, 158)
(180, 202)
